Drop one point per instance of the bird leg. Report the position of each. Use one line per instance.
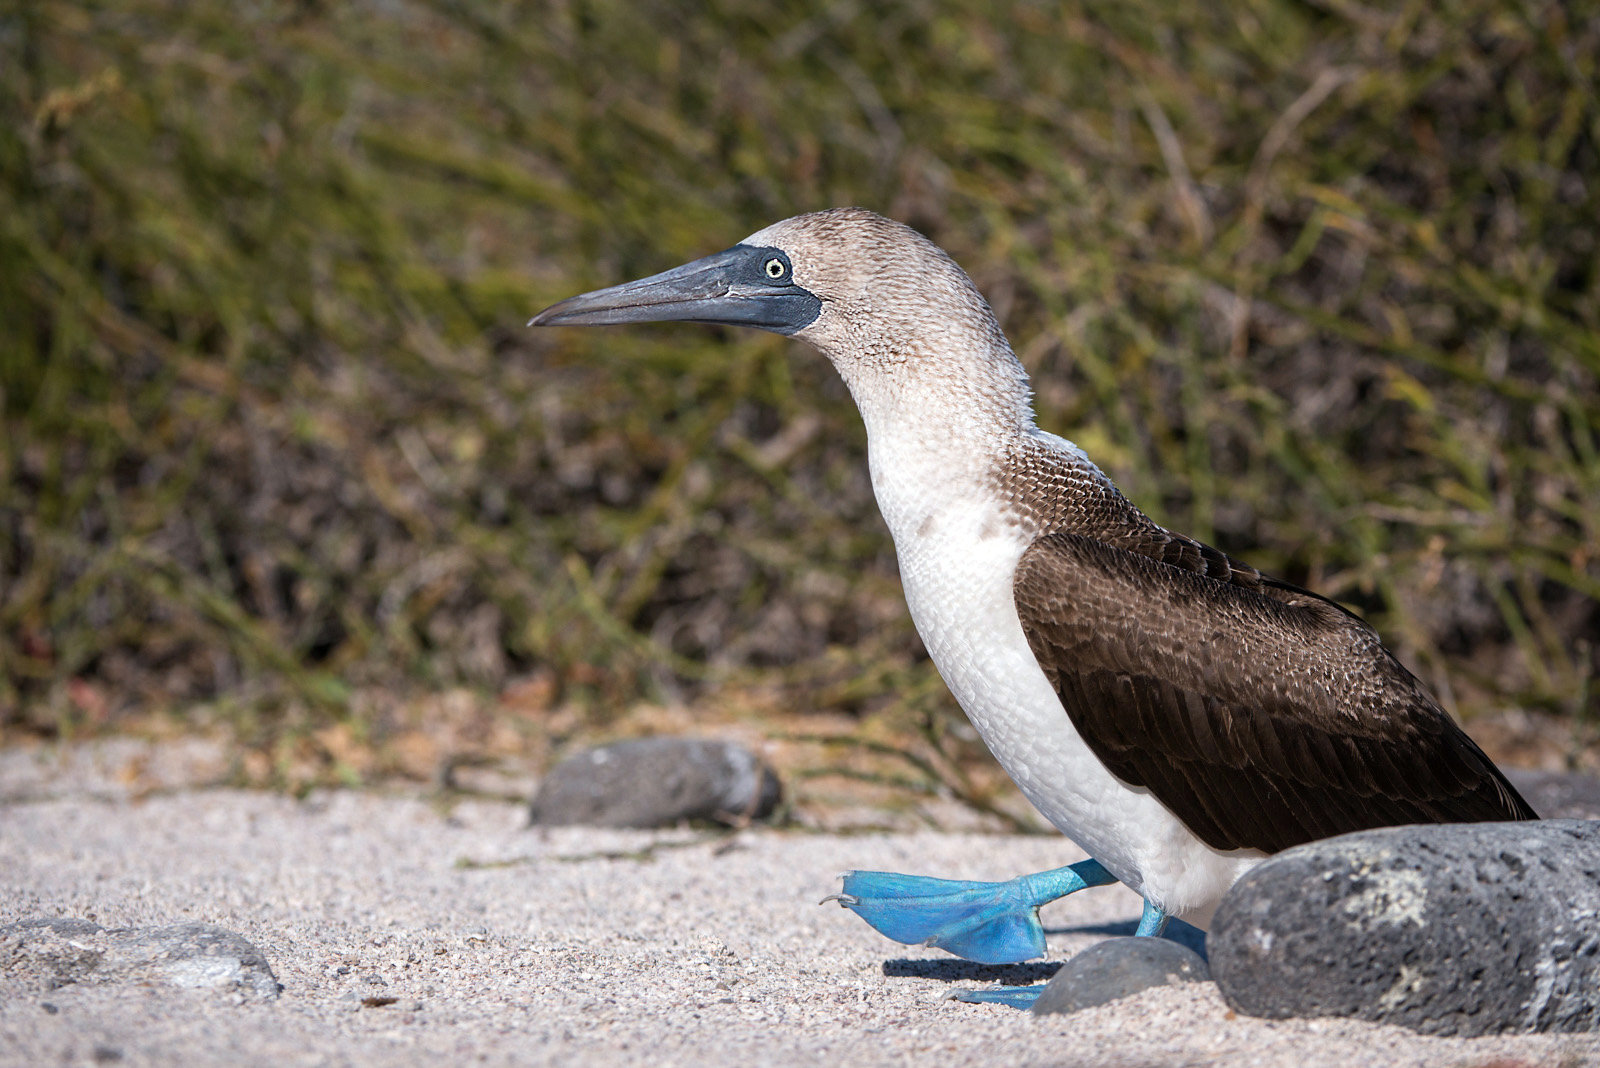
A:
(1153, 923)
(991, 923)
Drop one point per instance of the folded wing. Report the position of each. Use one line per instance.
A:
(1262, 715)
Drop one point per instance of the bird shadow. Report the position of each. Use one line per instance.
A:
(952, 969)
(955, 968)
(1185, 934)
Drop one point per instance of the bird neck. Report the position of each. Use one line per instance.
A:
(972, 394)
(939, 427)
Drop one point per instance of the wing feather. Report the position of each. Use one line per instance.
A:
(1261, 714)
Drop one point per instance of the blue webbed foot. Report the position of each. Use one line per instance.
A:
(991, 923)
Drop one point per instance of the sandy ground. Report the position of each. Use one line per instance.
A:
(504, 945)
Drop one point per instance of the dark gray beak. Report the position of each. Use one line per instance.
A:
(736, 287)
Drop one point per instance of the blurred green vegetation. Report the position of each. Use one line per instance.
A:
(1315, 281)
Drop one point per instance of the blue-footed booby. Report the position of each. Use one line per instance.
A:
(1173, 711)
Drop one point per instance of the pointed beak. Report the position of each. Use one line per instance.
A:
(726, 289)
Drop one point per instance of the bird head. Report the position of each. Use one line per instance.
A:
(861, 288)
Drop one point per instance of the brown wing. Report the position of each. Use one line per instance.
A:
(1262, 715)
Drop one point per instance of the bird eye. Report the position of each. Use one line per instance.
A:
(775, 268)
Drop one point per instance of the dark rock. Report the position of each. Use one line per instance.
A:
(655, 782)
(51, 953)
(1558, 795)
(1455, 929)
(1119, 968)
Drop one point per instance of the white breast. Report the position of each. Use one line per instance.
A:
(958, 553)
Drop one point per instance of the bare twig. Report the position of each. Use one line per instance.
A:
(1278, 135)
(1188, 194)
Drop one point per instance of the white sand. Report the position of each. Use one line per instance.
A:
(705, 954)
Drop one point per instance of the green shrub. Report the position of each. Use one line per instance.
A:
(1316, 282)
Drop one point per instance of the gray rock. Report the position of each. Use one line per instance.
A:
(46, 954)
(1118, 968)
(1459, 929)
(655, 782)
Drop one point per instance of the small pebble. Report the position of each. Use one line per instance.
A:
(1118, 968)
(57, 951)
(657, 782)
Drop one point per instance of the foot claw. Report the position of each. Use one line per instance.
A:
(845, 900)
